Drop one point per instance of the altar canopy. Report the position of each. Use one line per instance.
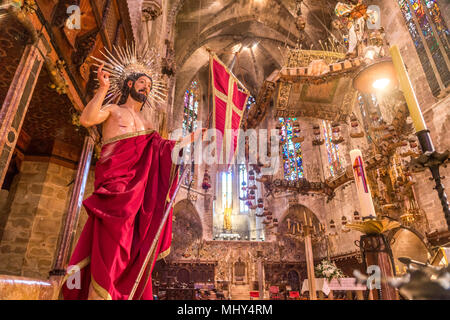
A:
(316, 84)
(229, 101)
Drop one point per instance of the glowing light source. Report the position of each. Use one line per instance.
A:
(375, 76)
(237, 48)
(381, 83)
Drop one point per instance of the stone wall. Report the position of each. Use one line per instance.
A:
(30, 237)
(436, 111)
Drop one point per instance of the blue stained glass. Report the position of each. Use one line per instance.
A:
(292, 154)
(299, 162)
(286, 168)
(428, 15)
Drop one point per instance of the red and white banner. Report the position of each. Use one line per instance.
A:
(229, 101)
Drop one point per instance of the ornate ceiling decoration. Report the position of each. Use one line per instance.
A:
(12, 43)
(261, 30)
(49, 118)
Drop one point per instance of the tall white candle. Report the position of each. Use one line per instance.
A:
(362, 184)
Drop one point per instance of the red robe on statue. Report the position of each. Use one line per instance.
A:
(134, 182)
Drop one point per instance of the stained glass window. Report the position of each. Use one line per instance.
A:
(422, 16)
(292, 151)
(227, 190)
(190, 108)
(189, 122)
(334, 159)
(243, 181)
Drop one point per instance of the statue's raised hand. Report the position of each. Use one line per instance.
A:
(103, 77)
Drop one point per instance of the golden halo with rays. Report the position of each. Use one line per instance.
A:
(127, 61)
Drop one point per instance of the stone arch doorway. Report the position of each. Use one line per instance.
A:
(406, 243)
(187, 231)
(290, 229)
(298, 212)
(239, 272)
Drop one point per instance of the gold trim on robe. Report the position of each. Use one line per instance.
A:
(163, 254)
(102, 292)
(127, 136)
(82, 264)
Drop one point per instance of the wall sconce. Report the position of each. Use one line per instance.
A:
(317, 139)
(260, 203)
(333, 231)
(206, 184)
(344, 223)
(296, 129)
(355, 129)
(336, 133)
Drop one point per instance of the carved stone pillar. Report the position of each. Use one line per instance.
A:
(260, 277)
(73, 213)
(376, 251)
(207, 199)
(17, 100)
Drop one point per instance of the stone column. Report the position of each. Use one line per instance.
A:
(73, 212)
(376, 252)
(17, 100)
(260, 278)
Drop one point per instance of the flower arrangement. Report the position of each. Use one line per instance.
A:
(327, 269)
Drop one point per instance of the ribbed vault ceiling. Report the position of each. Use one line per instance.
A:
(225, 25)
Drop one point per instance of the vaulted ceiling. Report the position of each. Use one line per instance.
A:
(259, 29)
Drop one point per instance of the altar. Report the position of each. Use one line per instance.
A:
(323, 286)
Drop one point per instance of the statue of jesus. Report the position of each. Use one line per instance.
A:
(134, 182)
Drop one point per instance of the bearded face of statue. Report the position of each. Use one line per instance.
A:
(138, 87)
(141, 89)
